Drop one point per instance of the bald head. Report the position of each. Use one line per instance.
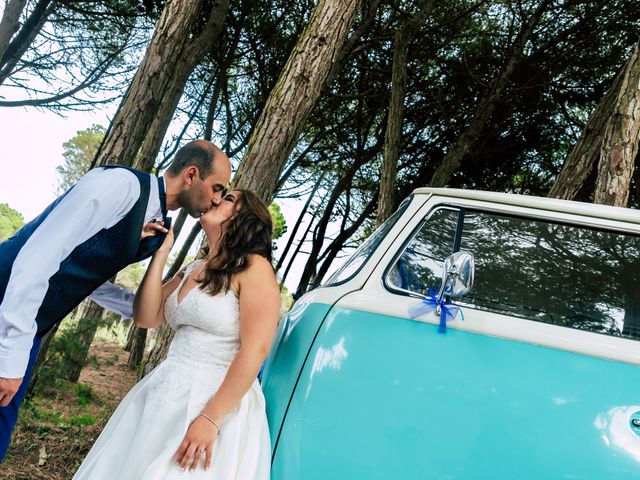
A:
(199, 153)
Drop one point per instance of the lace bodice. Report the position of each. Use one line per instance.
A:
(207, 327)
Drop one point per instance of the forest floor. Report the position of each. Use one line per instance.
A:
(56, 429)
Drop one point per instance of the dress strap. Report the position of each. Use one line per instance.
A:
(190, 268)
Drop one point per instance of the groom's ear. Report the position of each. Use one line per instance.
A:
(190, 174)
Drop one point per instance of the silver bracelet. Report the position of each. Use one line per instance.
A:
(211, 420)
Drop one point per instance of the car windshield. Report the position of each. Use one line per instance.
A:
(353, 263)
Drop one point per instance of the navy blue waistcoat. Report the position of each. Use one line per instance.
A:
(91, 263)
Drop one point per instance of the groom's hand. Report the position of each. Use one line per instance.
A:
(8, 388)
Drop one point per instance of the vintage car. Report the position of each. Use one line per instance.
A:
(474, 335)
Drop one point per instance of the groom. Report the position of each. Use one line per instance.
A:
(80, 241)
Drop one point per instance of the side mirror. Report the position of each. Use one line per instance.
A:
(457, 275)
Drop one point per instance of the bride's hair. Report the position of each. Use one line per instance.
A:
(248, 232)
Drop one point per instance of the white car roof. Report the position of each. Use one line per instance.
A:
(542, 203)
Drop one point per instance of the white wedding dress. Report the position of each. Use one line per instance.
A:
(140, 440)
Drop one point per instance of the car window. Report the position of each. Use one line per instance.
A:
(562, 274)
(419, 267)
(353, 264)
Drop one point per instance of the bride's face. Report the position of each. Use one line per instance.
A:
(219, 215)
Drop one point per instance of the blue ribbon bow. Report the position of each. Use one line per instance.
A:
(448, 311)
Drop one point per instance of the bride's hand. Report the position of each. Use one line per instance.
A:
(152, 229)
(168, 242)
(198, 441)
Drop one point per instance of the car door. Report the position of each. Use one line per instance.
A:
(539, 380)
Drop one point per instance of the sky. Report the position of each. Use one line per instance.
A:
(31, 149)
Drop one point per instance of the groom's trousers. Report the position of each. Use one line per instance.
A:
(9, 414)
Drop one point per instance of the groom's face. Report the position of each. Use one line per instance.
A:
(206, 193)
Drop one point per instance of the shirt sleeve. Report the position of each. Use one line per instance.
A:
(114, 298)
(99, 200)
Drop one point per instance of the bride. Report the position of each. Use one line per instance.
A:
(200, 414)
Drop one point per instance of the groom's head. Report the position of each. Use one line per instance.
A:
(197, 177)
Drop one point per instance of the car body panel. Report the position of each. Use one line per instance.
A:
(460, 405)
(379, 394)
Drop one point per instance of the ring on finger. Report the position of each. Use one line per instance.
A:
(200, 450)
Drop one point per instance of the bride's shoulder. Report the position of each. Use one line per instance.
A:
(259, 269)
(258, 263)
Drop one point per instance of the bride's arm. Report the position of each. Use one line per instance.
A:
(259, 314)
(148, 304)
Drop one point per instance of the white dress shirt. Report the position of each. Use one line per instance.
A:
(99, 200)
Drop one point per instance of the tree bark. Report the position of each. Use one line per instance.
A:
(10, 22)
(393, 134)
(484, 110)
(136, 132)
(41, 359)
(621, 138)
(351, 42)
(585, 155)
(138, 344)
(15, 49)
(159, 352)
(130, 337)
(294, 95)
(90, 318)
(386, 199)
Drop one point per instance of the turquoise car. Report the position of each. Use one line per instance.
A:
(474, 335)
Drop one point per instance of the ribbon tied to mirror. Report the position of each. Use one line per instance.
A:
(430, 303)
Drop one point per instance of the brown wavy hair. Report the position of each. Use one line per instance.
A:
(248, 233)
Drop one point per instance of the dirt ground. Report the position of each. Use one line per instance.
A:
(56, 430)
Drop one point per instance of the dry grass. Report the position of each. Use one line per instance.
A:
(56, 429)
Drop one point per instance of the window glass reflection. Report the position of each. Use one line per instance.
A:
(566, 275)
(419, 268)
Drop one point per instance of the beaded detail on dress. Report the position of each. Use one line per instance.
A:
(207, 326)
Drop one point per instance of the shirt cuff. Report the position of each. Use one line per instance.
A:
(14, 361)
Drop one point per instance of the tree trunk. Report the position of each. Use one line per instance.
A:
(179, 223)
(130, 337)
(10, 22)
(351, 42)
(164, 335)
(139, 342)
(294, 95)
(585, 155)
(41, 360)
(299, 246)
(138, 127)
(621, 138)
(387, 200)
(90, 318)
(135, 134)
(337, 243)
(318, 241)
(299, 221)
(393, 135)
(15, 49)
(467, 140)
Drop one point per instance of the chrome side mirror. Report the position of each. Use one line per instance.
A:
(457, 275)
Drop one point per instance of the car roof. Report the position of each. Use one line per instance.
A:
(542, 203)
